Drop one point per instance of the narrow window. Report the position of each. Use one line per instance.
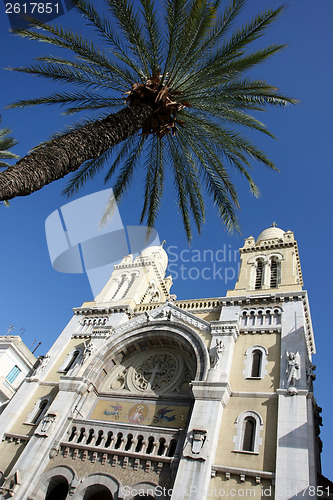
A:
(249, 433)
(256, 363)
(41, 411)
(172, 448)
(259, 274)
(99, 439)
(73, 434)
(129, 442)
(119, 440)
(13, 374)
(274, 273)
(82, 435)
(139, 445)
(72, 362)
(109, 439)
(161, 447)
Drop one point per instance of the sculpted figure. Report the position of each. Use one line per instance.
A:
(292, 370)
(88, 350)
(217, 354)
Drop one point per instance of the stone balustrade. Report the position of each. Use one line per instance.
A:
(152, 444)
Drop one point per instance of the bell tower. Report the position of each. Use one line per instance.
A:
(269, 264)
(138, 280)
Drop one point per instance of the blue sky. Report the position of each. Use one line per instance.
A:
(40, 300)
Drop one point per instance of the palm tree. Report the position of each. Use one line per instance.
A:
(182, 76)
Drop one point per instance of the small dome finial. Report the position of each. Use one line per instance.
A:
(163, 243)
(274, 224)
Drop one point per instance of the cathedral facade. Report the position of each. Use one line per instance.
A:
(146, 396)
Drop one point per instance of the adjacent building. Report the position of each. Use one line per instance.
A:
(146, 396)
(16, 361)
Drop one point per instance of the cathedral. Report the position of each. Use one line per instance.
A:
(143, 396)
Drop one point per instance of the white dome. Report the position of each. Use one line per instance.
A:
(156, 253)
(271, 233)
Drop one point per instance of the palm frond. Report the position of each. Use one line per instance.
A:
(178, 167)
(131, 29)
(76, 43)
(124, 149)
(6, 143)
(107, 32)
(87, 171)
(154, 181)
(85, 100)
(126, 173)
(153, 35)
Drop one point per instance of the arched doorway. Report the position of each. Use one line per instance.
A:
(57, 488)
(97, 492)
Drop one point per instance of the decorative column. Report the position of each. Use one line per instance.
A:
(295, 441)
(210, 397)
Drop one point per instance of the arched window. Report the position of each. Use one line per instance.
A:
(249, 430)
(139, 444)
(172, 448)
(150, 446)
(255, 362)
(72, 362)
(275, 273)
(277, 317)
(249, 425)
(244, 318)
(259, 274)
(72, 359)
(39, 410)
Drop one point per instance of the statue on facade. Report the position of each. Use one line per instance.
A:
(293, 371)
(310, 376)
(217, 353)
(43, 362)
(88, 350)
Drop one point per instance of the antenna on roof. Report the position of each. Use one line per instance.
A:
(10, 329)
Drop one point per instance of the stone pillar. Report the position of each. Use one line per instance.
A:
(194, 470)
(292, 459)
(295, 442)
(211, 396)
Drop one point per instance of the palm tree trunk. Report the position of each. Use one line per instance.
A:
(65, 154)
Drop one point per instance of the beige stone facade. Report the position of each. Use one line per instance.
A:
(144, 396)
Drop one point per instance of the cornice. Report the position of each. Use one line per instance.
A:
(265, 298)
(166, 313)
(260, 474)
(267, 244)
(260, 329)
(225, 328)
(243, 394)
(102, 309)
